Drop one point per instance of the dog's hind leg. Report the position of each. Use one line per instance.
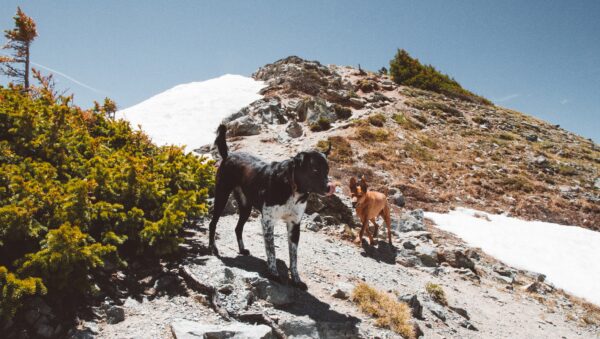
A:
(388, 222)
(245, 210)
(222, 193)
(376, 230)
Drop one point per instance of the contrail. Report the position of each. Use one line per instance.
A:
(70, 78)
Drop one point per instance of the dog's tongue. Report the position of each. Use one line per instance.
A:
(331, 188)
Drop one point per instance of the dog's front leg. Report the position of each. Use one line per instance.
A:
(268, 226)
(293, 228)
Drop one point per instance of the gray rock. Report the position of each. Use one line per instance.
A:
(409, 221)
(358, 102)
(398, 199)
(456, 258)
(415, 305)
(597, 183)
(437, 310)
(466, 324)
(243, 126)
(185, 329)
(294, 129)
(504, 271)
(276, 294)
(541, 277)
(428, 255)
(409, 245)
(532, 287)
(299, 328)
(114, 314)
(461, 311)
(531, 137)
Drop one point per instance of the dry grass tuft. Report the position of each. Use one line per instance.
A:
(437, 293)
(388, 312)
(369, 134)
(341, 150)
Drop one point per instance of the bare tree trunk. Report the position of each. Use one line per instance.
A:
(26, 80)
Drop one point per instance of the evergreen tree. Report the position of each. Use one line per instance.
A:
(19, 41)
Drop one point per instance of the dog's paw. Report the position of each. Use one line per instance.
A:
(299, 284)
(244, 252)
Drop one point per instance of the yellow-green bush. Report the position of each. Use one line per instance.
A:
(78, 189)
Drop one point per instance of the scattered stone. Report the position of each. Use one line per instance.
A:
(276, 294)
(532, 287)
(185, 329)
(415, 305)
(299, 328)
(243, 126)
(466, 324)
(456, 258)
(114, 314)
(428, 255)
(437, 310)
(418, 331)
(541, 277)
(461, 311)
(398, 199)
(294, 129)
(409, 245)
(531, 137)
(597, 183)
(409, 221)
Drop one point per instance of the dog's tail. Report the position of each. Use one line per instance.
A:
(220, 141)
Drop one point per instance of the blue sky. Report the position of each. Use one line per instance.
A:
(539, 57)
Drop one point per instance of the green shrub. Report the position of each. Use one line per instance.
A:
(341, 150)
(13, 290)
(404, 121)
(322, 124)
(342, 112)
(377, 119)
(437, 293)
(370, 134)
(78, 188)
(408, 71)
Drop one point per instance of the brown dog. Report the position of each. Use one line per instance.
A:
(369, 205)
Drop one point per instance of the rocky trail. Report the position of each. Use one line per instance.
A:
(485, 298)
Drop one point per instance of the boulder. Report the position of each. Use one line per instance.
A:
(415, 305)
(294, 129)
(428, 255)
(114, 314)
(409, 221)
(299, 328)
(276, 294)
(243, 126)
(331, 206)
(185, 329)
(437, 310)
(467, 324)
(457, 259)
(398, 199)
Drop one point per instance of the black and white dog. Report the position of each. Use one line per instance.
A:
(279, 190)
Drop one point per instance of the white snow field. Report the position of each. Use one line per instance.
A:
(569, 256)
(189, 114)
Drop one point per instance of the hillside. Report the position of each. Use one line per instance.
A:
(440, 152)
(434, 153)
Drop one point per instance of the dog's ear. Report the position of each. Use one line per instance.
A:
(352, 182)
(299, 159)
(363, 184)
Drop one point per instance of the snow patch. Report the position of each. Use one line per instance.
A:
(567, 255)
(189, 114)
